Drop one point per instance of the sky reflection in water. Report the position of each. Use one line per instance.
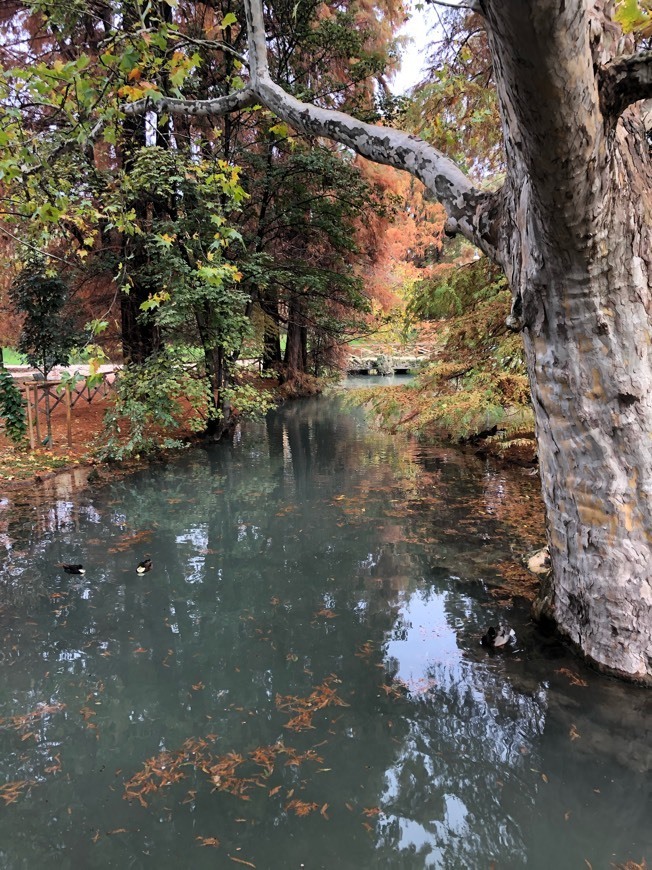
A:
(316, 555)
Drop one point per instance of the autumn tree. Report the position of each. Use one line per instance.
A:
(306, 200)
(570, 226)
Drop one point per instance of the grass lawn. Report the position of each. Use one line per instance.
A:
(10, 357)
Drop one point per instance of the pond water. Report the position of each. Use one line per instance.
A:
(298, 681)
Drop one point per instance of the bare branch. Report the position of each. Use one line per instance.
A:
(194, 108)
(624, 81)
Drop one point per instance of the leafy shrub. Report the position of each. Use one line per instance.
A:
(147, 412)
(47, 336)
(12, 408)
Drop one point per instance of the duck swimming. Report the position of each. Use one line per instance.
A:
(498, 637)
(144, 566)
(72, 569)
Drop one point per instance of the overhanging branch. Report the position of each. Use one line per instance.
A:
(465, 205)
(624, 81)
(196, 108)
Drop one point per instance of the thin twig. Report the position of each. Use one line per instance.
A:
(33, 247)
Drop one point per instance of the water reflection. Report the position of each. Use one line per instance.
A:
(314, 550)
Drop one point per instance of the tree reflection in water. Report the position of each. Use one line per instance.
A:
(315, 546)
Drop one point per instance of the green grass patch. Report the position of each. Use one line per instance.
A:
(11, 357)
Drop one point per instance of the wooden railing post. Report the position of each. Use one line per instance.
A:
(30, 420)
(68, 416)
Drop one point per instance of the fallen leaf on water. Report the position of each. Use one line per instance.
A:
(117, 831)
(544, 777)
(573, 733)
(197, 687)
(301, 808)
(323, 811)
(11, 791)
(304, 709)
(371, 811)
(56, 766)
(140, 649)
(208, 841)
(241, 861)
(631, 865)
(274, 790)
(567, 815)
(127, 541)
(574, 679)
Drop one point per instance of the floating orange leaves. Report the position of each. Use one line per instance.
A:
(87, 715)
(573, 678)
(301, 808)
(21, 723)
(231, 772)
(396, 689)
(11, 791)
(631, 865)
(128, 541)
(208, 841)
(322, 696)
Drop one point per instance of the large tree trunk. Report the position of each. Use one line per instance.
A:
(579, 258)
(591, 382)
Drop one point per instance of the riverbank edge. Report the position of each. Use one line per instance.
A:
(97, 472)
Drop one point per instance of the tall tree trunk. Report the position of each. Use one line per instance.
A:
(271, 332)
(578, 255)
(294, 353)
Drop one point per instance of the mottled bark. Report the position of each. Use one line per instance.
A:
(625, 81)
(578, 253)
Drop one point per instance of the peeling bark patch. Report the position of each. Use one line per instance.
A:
(627, 399)
(578, 607)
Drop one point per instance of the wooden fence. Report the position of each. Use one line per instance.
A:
(41, 393)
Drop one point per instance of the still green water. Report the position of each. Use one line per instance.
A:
(325, 576)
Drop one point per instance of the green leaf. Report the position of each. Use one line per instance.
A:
(228, 20)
